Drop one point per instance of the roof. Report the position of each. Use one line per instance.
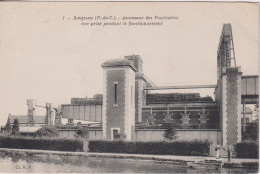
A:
(118, 62)
(65, 121)
(163, 98)
(23, 119)
(86, 101)
(134, 57)
(141, 76)
(29, 129)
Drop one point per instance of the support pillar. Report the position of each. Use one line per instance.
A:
(31, 111)
(58, 116)
(49, 114)
(231, 105)
(137, 63)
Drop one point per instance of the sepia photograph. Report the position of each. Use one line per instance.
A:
(129, 87)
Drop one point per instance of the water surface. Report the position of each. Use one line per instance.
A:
(47, 163)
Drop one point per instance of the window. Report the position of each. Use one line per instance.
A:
(115, 93)
(70, 121)
(115, 133)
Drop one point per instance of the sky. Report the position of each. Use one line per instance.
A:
(47, 57)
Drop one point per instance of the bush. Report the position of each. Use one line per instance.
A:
(170, 133)
(82, 132)
(185, 148)
(120, 137)
(246, 150)
(251, 133)
(47, 131)
(41, 143)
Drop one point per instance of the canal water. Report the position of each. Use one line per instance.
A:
(13, 162)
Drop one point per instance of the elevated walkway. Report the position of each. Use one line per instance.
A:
(250, 89)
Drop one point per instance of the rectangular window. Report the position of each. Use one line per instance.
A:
(115, 133)
(115, 93)
(70, 121)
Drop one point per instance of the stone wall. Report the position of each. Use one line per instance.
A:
(157, 135)
(115, 111)
(93, 134)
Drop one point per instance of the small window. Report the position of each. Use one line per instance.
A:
(115, 93)
(115, 134)
(70, 121)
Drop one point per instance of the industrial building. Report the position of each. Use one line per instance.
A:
(130, 108)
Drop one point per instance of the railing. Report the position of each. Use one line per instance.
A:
(145, 125)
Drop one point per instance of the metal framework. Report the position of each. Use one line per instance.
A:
(226, 51)
(179, 87)
(48, 107)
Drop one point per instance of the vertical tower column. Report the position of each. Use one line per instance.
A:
(231, 105)
(58, 116)
(139, 97)
(137, 62)
(31, 111)
(118, 99)
(49, 114)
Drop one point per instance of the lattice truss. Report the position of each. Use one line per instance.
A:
(226, 52)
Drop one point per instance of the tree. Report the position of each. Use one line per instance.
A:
(8, 127)
(15, 127)
(170, 133)
(252, 132)
(82, 132)
(47, 131)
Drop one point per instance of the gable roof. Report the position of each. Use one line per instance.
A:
(23, 119)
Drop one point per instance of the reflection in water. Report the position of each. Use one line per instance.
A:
(23, 162)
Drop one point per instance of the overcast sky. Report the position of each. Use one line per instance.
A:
(49, 59)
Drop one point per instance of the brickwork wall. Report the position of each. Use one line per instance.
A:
(224, 110)
(231, 105)
(115, 114)
(69, 133)
(136, 101)
(130, 104)
(232, 96)
(139, 99)
(239, 115)
(104, 110)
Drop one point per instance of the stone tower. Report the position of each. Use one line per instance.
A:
(118, 99)
(228, 91)
(140, 82)
(231, 105)
(31, 111)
